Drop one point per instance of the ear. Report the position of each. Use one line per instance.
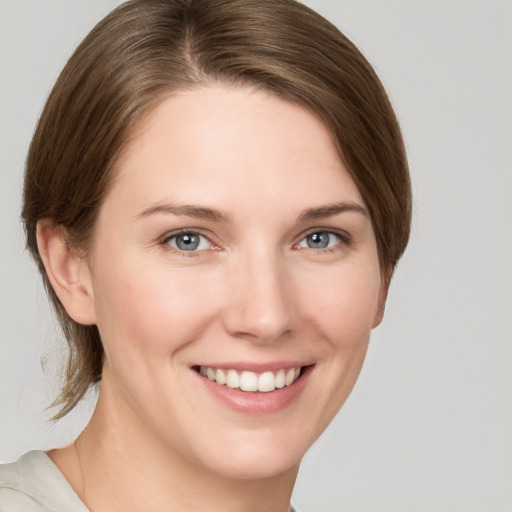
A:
(67, 271)
(383, 295)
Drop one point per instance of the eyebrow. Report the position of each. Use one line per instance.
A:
(188, 210)
(330, 210)
(202, 212)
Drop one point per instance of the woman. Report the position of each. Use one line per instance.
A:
(216, 196)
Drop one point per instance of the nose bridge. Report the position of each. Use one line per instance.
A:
(261, 307)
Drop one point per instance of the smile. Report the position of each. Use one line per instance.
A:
(250, 381)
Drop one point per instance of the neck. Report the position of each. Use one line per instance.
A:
(120, 465)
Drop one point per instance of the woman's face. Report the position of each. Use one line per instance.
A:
(233, 243)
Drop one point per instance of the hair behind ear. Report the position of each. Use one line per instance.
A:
(67, 280)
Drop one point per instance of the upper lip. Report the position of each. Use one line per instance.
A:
(255, 367)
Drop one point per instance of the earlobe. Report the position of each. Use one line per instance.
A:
(67, 271)
(383, 295)
(379, 315)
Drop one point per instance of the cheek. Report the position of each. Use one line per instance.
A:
(149, 311)
(344, 304)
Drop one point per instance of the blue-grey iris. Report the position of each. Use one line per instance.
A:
(187, 242)
(318, 240)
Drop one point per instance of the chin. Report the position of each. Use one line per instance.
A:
(261, 454)
(254, 466)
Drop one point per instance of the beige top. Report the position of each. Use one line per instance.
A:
(35, 484)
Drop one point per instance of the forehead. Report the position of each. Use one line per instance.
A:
(212, 140)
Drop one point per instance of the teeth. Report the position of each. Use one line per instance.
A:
(290, 376)
(220, 377)
(266, 382)
(250, 381)
(232, 379)
(280, 379)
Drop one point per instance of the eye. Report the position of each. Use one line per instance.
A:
(320, 240)
(188, 241)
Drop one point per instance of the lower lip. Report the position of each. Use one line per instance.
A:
(258, 403)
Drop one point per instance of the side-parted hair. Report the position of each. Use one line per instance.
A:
(146, 49)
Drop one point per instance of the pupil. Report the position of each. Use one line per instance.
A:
(187, 242)
(318, 240)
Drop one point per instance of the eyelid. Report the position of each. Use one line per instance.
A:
(344, 236)
(164, 240)
(344, 241)
(341, 233)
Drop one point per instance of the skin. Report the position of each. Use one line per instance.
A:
(254, 291)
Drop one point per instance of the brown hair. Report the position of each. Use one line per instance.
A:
(145, 49)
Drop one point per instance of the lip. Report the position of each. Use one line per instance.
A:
(257, 403)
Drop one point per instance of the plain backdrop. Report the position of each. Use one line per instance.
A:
(429, 424)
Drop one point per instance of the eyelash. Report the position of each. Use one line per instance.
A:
(173, 235)
(344, 239)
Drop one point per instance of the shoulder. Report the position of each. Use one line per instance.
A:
(34, 484)
(13, 491)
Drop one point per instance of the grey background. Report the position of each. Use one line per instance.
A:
(429, 424)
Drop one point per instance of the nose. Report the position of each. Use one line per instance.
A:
(260, 305)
